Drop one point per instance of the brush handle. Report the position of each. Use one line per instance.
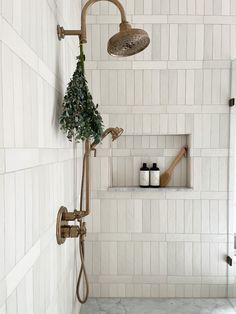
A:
(177, 159)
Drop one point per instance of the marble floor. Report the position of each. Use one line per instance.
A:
(157, 306)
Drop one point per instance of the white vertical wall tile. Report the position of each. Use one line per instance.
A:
(10, 222)
(165, 6)
(191, 41)
(217, 42)
(20, 210)
(7, 97)
(190, 87)
(225, 52)
(2, 220)
(174, 7)
(164, 41)
(156, 35)
(233, 44)
(12, 304)
(199, 51)
(173, 42)
(208, 43)
(182, 7)
(181, 87)
(200, 7)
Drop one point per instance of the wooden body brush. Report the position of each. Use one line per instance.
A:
(166, 176)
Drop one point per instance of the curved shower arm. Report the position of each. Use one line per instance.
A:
(82, 33)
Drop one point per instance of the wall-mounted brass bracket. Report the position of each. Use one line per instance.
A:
(64, 230)
(61, 32)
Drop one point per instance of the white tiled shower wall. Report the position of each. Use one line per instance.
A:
(168, 243)
(36, 161)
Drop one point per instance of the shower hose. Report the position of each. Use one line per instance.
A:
(82, 272)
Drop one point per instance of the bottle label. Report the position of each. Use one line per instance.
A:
(144, 178)
(154, 178)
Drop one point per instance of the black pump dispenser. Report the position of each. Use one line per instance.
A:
(154, 176)
(144, 176)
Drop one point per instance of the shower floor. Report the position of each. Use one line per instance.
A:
(157, 306)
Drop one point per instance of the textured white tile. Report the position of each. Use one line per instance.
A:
(182, 7)
(21, 298)
(173, 41)
(164, 42)
(191, 39)
(12, 304)
(225, 45)
(217, 42)
(20, 210)
(174, 7)
(2, 220)
(165, 7)
(208, 47)
(199, 52)
(233, 44)
(3, 309)
(10, 222)
(28, 210)
(7, 97)
(200, 7)
(190, 87)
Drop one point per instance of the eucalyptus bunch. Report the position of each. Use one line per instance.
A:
(80, 118)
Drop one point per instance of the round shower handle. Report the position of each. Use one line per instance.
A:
(73, 231)
(70, 231)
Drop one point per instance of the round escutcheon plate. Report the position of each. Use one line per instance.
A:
(60, 224)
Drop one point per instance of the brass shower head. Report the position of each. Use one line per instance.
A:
(115, 133)
(127, 42)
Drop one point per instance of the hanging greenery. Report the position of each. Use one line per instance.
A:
(80, 118)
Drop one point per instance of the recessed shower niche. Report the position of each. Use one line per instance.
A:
(128, 154)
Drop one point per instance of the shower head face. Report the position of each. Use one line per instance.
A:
(116, 133)
(128, 42)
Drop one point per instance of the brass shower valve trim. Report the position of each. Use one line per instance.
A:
(64, 230)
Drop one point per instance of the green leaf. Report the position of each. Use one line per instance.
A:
(80, 118)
